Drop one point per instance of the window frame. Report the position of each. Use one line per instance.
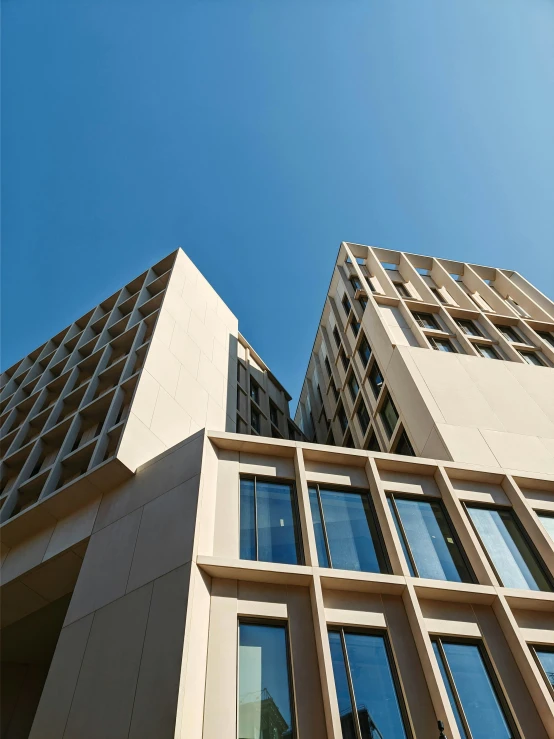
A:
(528, 352)
(547, 337)
(297, 524)
(404, 538)
(363, 340)
(527, 539)
(479, 346)
(375, 368)
(403, 435)
(393, 666)
(435, 324)
(352, 375)
(346, 302)
(542, 648)
(384, 419)
(274, 622)
(434, 339)
(254, 391)
(477, 334)
(491, 673)
(503, 329)
(402, 290)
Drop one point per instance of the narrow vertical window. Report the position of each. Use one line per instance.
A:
(264, 685)
(389, 415)
(545, 658)
(478, 705)
(269, 530)
(548, 523)
(255, 392)
(353, 386)
(346, 531)
(545, 336)
(402, 290)
(367, 687)
(428, 540)
(508, 550)
(376, 379)
(364, 351)
(363, 416)
(336, 336)
(341, 415)
(255, 420)
(346, 304)
(404, 446)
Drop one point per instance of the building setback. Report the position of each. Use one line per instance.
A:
(181, 559)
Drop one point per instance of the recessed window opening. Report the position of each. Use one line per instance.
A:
(363, 416)
(343, 359)
(532, 358)
(404, 446)
(368, 689)
(441, 345)
(479, 707)
(546, 336)
(509, 551)
(439, 296)
(355, 326)
(269, 526)
(255, 420)
(328, 366)
(545, 658)
(376, 379)
(401, 289)
(430, 546)
(362, 300)
(548, 523)
(356, 284)
(336, 336)
(346, 532)
(389, 415)
(341, 415)
(426, 320)
(346, 304)
(349, 441)
(468, 327)
(511, 334)
(364, 351)
(265, 695)
(255, 391)
(353, 386)
(486, 350)
(372, 443)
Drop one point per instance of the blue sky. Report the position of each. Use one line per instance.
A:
(258, 134)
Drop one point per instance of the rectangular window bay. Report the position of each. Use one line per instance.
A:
(264, 684)
(346, 530)
(368, 691)
(269, 527)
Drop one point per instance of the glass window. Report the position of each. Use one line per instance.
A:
(532, 358)
(269, 530)
(349, 441)
(402, 290)
(341, 415)
(328, 366)
(265, 705)
(441, 345)
(372, 443)
(366, 684)
(487, 351)
(403, 446)
(353, 386)
(364, 351)
(343, 359)
(336, 336)
(274, 413)
(546, 661)
(389, 415)
(346, 304)
(428, 540)
(376, 379)
(476, 701)
(510, 334)
(546, 336)
(548, 523)
(356, 284)
(363, 416)
(255, 420)
(346, 533)
(255, 391)
(334, 389)
(438, 295)
(468, 327)
(355, 326)
(427, 320)
(362, 300)
(507, 548)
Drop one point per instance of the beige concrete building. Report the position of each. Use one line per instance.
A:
(166, 576)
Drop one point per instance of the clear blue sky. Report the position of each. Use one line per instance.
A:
(258, 134)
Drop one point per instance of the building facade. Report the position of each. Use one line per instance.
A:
(180, 560)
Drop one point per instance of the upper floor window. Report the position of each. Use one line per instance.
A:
(264, 686)
(426, 320)
(468, 327)
(363, 416)
(401, 289)
(334, 389)
(479, 707)
(372, 444)
(362, 301)
(509, 333)
(343, 359)
(428, 540)
(389, 415)
(353, 386)
(509, 551)
(364, 351)
(269, 528)
(255, 420)
(336, 336)
(328, 367)
(356, 284)
(255, 391)
(341, 415)
(532, 358)
(546, 336)
(349, 441)
(355, 326)
(441, 345)
(345, 530)
(404, 446)
(376, 379)
(545, 658)
(346, 304)
(274, 413)
(548, 523)
(368, 692)
(440, 297)
(486, 350)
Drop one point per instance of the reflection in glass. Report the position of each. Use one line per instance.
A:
(546, 658)
(264, 690)
(448, 687)
(477, 696)
(268, 522)
(375, 703)
(548, 523)
(347, 535)
(511, 556)
(430, 540)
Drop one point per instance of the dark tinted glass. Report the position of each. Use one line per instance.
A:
(346, 304)
(546, 337)
(364, 350)
(351, 531)
(343, 420)
(478, 697)
(431, 542)
(341, 685)
(263, 683)
(374, 689)
(376, 379)
(255, 392)
(322, 557)
(363, 416)
(532, 358)
(487, 351)
(468, 327)
(448, 687)
(247, 520)
(548, 523)
(255, 420)
(510, 553)
(441, 345)
(403, 446)
(546, 658)
(426, 320)
(402, 290)
(389, 415)
(509, 333)
(336, 336)
(372, 443)
(353, 386)
(355, 326)
(356, 284)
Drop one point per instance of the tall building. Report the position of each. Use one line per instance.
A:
(179, 559)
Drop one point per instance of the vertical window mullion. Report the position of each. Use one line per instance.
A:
(324, 527)
(356, 720)
(453, 688)
(404, 537)
(256, 519)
